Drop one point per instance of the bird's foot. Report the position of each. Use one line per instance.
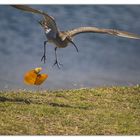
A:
(58, 64)
(43, 58)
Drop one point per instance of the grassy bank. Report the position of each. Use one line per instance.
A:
(98, 111)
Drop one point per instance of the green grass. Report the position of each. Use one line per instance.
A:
(91, 111)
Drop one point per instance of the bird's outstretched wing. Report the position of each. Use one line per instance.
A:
(49, 19)
(79, 30)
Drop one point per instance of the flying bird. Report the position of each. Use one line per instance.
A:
(61, 39)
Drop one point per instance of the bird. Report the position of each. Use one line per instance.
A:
(62, 39)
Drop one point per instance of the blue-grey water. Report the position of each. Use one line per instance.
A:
(103, 60)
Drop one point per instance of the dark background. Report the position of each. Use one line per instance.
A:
(102, 59)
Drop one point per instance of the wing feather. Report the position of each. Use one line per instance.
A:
(73, 32)
(50, 20)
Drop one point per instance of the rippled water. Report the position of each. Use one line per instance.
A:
(102, 59)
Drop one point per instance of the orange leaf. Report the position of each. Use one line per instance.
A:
(33, 77)
(40, 79)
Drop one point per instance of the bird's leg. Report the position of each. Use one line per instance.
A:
(44, 55)
(56, 61)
